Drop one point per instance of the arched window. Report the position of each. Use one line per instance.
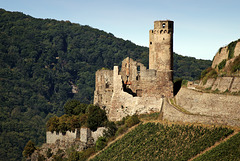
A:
(163, 25)
(138, 68)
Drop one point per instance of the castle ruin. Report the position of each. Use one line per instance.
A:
(135, 89)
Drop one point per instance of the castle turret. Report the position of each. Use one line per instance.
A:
(161, 46)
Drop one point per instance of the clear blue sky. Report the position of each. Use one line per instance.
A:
(201, 26)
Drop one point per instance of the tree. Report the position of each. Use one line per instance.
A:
(96, 117)
(29, 149)
(70, 105)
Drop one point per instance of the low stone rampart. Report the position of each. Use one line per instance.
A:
(204, 107)
(69, 136)
(83, 135)
(223, 84)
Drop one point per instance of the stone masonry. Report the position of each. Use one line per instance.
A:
(82, 134)
(136, 89)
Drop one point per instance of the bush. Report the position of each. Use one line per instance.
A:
(49, 153)
(205, 72)
(231, 48)
(235, 66)
(111, 129)
(81, 156)
(121, 130)
(96, 117)
(131, 121)
(101, 143)
(29, 149)
(222, 64)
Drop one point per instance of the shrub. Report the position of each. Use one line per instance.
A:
(211, 73)
(204, 72)
(184, 82)
(121, 122)
(231, 48)
(235, 66)
(121, 130)
(96, 117)
(101, 143)
(131, 121)
(49, 153)
(111, 129)
(29, 149)
(222, 64)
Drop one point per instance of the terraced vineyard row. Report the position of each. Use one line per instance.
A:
(152, 141)
(229, 150)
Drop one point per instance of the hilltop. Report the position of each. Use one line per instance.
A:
(224, 74)
(45, 62)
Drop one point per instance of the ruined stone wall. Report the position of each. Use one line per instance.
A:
(146, 82)
(103, 87)
(68, 137)
(124, 104)
(98, 133)
(204, 108)
(222, 84)
(83, 135)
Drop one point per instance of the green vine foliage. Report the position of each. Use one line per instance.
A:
(228, 150)
(152, 141)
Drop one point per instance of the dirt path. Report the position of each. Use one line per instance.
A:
(216, 144)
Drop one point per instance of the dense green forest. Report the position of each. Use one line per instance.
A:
(152, 141)
(40, 61)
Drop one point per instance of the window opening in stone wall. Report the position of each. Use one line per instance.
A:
(128, 90)
(138, 69)
(138, 77)
(78, 134)
(150, 43)
(107, 85)
(163, 25)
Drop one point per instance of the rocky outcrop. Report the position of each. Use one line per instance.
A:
(228, 53)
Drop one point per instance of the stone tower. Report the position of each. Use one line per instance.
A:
(161, 46)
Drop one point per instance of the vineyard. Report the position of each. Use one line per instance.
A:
(229, 150)
(152, 141)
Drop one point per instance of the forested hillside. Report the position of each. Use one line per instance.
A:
(40, 61)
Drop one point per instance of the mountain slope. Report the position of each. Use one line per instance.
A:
(42, 60)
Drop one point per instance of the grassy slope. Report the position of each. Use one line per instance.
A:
(152, 141)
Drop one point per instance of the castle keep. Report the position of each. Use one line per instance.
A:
(136, 89)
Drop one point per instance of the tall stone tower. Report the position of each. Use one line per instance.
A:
(161, 46)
